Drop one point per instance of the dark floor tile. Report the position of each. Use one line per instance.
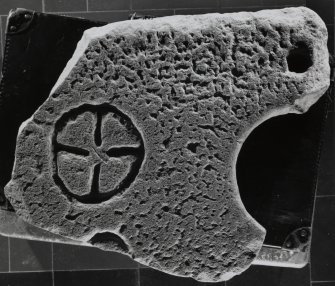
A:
(193, 4)
(122, 277)
(274, 276)
(103, 5)
(240, 3)
(71, 257)
(197, 11)
(241, 9)
(323, 240)
(323, 283)
(268, 3)
(29, 255)
(7, 5)
(151, 277)
(4, 267)
(149, 4)
(293, 3)
(326, 178)
(173, 4)
(108, 17)
(64, 5)
(325, 9)
(26, 279)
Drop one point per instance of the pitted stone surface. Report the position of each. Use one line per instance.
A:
(136, 146)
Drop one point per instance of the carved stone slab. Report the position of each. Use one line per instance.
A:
(136, 146)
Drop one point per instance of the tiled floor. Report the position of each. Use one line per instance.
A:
(274, 276)
(150, 277)
(72, 257)
(30, 262)
(4, 254)
(28, 255)
(27, 279)
(323, 240)
(124, 277)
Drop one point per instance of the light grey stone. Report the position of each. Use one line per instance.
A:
(136, 146)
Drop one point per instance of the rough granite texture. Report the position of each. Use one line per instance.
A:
(135, 148)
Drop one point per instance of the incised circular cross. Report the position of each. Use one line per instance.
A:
(97, 152)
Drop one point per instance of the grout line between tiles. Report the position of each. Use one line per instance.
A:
(310, 264)
(66, 270)
(43, 6)
(312, 228)
(138, 276)
(194, 8)
(87, 5)
(325, 196)
(140, 10)
(30, 271)
(106, 11)
(87, 269)
(76, 12)
(331, 281)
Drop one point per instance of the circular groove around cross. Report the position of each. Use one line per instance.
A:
(96, 151)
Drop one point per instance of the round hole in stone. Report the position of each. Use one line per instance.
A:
(299, 58)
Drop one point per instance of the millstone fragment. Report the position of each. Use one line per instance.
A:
(135, 148)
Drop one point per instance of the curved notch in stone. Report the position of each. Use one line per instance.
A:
(109, 241)
(147, 121)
